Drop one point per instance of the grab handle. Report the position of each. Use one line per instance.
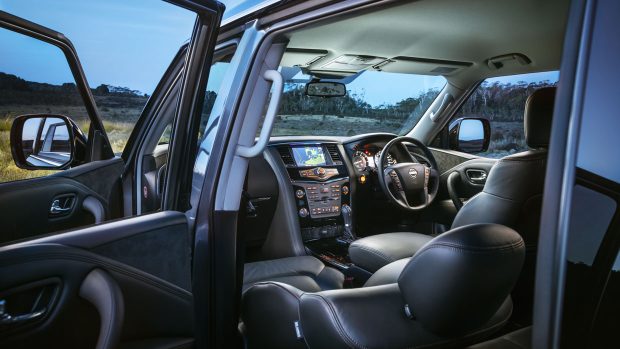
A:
(249, 152)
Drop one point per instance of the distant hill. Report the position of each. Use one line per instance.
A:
(17, 91)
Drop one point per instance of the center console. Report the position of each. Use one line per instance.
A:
(320, 183)
(322, 194)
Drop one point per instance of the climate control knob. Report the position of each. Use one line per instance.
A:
(303, 212)
(345, 190)
(299, 193)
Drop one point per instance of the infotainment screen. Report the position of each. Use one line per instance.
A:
(309, 156)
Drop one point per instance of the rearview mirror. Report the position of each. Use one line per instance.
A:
(470, 135)
(326, 89)
(46, 142)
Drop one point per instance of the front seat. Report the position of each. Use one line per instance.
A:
(306, 273)
(453, 292)
(512, 195)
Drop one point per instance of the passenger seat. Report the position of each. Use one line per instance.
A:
(306, 273)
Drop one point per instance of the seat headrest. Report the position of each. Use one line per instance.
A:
(459, 280)
(537, 117)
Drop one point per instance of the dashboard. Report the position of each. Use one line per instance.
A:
(330, 176)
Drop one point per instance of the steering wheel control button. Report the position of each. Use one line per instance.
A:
(303, 212)
(299, 193)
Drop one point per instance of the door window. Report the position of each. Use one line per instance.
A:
(124, 48)
(35, 78)
(501, 100)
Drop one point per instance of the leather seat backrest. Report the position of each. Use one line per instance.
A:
(512, 194)
(456, 282)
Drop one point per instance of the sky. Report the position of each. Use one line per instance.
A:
(130, 43)
(119, 42)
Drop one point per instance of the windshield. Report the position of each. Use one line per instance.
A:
(375, 102)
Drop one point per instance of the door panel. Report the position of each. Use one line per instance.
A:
(153, 283)
(469, 174)
(124, 283)
(78, 196)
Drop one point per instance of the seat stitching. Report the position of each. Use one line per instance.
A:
(501, 250)
(497, 196)
(509, 246)
(457, 248)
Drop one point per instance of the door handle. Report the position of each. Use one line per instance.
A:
(8, 319)
(62, 205)
(57, 209)
(476, 176)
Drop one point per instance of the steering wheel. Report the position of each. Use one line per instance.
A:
(410, 185)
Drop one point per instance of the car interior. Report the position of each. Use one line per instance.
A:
(391, 237)
(358, 240)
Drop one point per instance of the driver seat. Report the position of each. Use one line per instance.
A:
(512, 196)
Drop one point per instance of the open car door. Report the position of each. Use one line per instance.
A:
(123, 283)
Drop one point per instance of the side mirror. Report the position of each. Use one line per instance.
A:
(46, 142)
(470, 135)
(326, 89)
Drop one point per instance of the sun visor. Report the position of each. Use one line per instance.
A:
(298, 57)
(425, 66)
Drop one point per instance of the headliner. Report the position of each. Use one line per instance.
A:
(454, 30)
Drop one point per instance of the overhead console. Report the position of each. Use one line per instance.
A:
(321, 187)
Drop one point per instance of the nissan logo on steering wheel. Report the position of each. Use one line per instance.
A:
(413, 173)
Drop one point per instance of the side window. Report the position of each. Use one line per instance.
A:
(155, 162)
(216, 75)
(501, 100)
(35, 78)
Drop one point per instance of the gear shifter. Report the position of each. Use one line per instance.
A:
(348, 234)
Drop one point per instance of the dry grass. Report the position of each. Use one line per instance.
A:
(8, 170)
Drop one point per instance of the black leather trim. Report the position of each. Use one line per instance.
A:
(304, 272)
(537, 117)
(388, 274)
(481, 261)
(374, 317)
(269, 313)
(373, 252)
(153, 307)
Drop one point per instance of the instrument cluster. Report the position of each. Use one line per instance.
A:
(366, 158)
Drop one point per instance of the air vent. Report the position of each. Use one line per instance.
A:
(287, 158)
(332, 149)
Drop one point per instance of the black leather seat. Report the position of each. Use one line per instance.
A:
(452, 292)
(512, 195)
(304, 272)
